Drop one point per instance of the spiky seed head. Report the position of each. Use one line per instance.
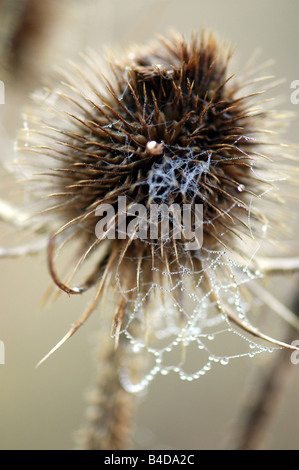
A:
(164, 124)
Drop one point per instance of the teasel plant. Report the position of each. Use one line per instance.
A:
(158, 124)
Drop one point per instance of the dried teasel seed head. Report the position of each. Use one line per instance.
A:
(165, 124)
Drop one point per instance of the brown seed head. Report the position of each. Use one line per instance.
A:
(169, 126)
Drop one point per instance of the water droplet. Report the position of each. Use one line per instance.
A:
(224, 361)
(264, 228)
(241, 187)
(211, 337)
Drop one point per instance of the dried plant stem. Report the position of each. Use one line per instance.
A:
(275, 305)
(255, 423)
(24, 250)
(12, 215)
(278, 265)
(262, 400)
(19, 219)
(111, 410)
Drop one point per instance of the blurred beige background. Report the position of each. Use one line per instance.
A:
(42, 408)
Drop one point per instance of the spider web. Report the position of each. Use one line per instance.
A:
(178, 327)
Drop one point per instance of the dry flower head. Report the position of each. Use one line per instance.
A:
(164, 124)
